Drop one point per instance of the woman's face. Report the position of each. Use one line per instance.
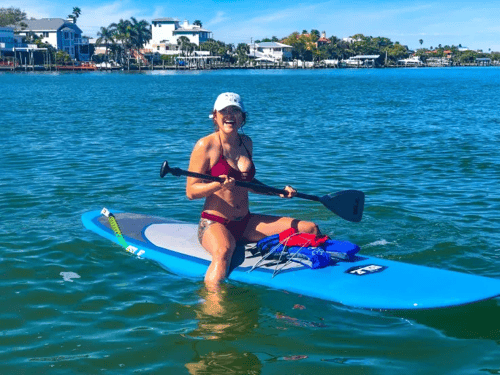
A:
(229, 119)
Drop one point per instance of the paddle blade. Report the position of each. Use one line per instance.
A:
(164, 169)
(347, 204)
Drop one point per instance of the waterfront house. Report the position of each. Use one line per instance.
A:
(323, 40)
(438, 61)
(165, 33)
(270, 51)
(7, 41)
(483, 61)
(11, 45)
(61, 34)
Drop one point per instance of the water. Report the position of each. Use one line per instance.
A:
(421, 143)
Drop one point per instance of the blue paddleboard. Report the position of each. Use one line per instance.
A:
(364, 282)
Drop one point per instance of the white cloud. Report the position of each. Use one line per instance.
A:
(219, 18)
(92, 19)
(34, 8)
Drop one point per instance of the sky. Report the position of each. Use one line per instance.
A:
(468, 23)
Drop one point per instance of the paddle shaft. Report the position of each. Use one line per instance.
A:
(248, 185)
(348, 204)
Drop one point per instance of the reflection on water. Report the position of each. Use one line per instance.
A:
(226, 314)
(225, 362)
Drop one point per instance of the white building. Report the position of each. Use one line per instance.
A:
(165, 33)
(271, 51)
(61, 34)
(351, 40)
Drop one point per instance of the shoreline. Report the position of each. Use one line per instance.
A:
(69, 68)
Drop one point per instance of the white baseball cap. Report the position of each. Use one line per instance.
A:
(227, 99)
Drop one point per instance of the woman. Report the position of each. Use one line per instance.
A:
(226, 218)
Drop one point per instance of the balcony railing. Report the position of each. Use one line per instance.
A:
(81, 41)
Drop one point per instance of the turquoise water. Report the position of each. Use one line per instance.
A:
(421, 143)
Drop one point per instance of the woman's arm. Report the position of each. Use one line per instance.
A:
(199, 162)
(291, 191)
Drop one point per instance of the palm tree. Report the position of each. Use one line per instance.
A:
(421, 41)
(184, 42)
(121, 32)
(105, 35)
(242, 51)
(210, 45)
(140, 34)
(76, 13)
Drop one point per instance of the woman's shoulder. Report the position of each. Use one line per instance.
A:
(247, 141)
(206, 143)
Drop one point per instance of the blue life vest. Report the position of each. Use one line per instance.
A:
(329, 252)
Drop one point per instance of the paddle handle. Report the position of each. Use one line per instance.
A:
(257, 187)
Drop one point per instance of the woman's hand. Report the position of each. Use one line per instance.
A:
(291, 192)
(228, 183)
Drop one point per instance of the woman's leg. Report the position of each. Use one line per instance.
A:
(220, 243)
(260, 226)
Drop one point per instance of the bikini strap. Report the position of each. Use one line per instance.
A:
(246, 149)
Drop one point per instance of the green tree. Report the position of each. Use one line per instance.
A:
(140, 35)
(242, 51)
(421, 41)
(62, 57)
(105, 35)
(468, 57)
(76, 13)
(198, 23)
(396, 52)
(211, 46)
(166, 59)
(304, 45)
(185, 45)
(315, 35)
(11, 16)
(122, 34)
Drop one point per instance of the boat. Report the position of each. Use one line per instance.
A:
(411, 61)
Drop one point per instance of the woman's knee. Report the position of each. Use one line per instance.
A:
(309, 227)
(223, 254)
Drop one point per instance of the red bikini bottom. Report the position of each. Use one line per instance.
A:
(235, 227)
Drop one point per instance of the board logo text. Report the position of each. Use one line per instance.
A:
(365, 270)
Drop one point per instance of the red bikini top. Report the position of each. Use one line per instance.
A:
(223, 167)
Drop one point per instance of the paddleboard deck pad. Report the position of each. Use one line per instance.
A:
(363, 282)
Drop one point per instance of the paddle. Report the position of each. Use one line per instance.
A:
(347, 204)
